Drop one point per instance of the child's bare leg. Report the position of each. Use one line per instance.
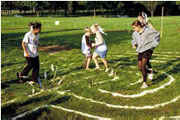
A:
(95, 55)
(104, 62)
(84, 63)
(88, 62)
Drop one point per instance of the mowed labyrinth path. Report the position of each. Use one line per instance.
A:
(166, 83)
(72, 93)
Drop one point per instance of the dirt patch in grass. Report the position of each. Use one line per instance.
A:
(178, 30)
(53, 48)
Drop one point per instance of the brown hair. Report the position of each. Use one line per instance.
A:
(35, 25)
(137, 23)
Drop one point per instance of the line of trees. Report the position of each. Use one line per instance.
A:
(79, 8)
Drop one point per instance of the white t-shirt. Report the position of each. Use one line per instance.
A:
(100, 43)
(84, 48)
(31, 42)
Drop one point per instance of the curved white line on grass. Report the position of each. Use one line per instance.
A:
(61, 108)
(28, 112)
(80, 113)
(38, 93)
(137, 82)
(105, 81)
(158, 61)
(10, 101)
(170, 117)
(121, 106)
(32, 95)
(142, 93)
(175, 117)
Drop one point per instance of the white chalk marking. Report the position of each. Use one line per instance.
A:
(80, 113)
(76, 73)
(166, 117)
(142, 93)
(10, 101)
(28, 112)
(105, 81)
(137, 82)
(126, 106)
(41, 91)
(52, 67)
(61, 108)
(158, 61)
(175, 117)
(60, 81)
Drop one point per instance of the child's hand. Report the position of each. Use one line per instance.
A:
(134, 46)
(27, 55)
(93, 44)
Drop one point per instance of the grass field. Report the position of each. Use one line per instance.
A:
(76, 94)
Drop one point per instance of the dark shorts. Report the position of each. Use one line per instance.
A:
(146, 54)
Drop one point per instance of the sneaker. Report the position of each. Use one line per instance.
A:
(20, 78)
(17, 75)
(150, 76)
(107, 69)
(39, 82)
(144, 85)
(31, 83)
(150, 69)
(111, 73)
(97, 68)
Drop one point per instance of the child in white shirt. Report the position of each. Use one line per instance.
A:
(30, 46)
(86, 47)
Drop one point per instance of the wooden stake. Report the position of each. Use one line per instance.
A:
(162, 14)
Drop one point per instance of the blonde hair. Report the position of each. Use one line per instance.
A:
(87, 29)
(98, 28)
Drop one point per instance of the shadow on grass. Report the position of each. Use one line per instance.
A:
(60, 100)
(5, 84)
(9, 64)
(175, 69)
(10, 110)
(126, 62)
(159, 78)
(70, 71)
(70, 40)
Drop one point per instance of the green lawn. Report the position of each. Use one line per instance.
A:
(78, 82)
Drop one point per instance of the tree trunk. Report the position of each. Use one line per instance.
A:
(152, 13)
(94, 12)
(34, 10)
(65, 12)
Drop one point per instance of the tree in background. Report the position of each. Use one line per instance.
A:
(178, 3)
(151, 5)
(129, 8)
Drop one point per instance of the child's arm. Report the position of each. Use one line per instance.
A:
(25, 49)
(24, 42)
(88, 43)
(134, 43)
(101, 40)
(156, 39)
(151, 25)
